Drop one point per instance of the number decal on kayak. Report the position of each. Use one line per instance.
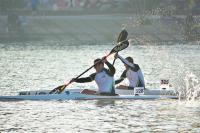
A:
(139, 90)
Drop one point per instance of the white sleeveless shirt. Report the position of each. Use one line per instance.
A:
(105, 82)
(132, 77)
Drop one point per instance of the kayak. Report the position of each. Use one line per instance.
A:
(74, 94)
(79, 96)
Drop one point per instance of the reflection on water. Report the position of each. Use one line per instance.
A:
(41, 65)
(101, 103)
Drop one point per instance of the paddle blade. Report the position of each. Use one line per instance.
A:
(59, 88)
(121, 46)
(122, 36)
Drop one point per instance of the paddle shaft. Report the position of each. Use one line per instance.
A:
(121, 38)
(114, 60)
(117, 53)
(92, 66)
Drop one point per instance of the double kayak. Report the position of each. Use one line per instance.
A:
(75, 94)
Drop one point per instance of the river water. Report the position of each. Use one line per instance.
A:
(46, 65)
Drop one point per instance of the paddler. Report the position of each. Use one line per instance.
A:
(103, 77)
(132, 72)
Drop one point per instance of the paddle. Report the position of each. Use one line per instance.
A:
(117, 48)
(122, 37)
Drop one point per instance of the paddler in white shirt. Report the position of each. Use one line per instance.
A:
(103, 77)
(132, 72)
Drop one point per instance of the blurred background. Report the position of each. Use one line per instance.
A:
(158, 20)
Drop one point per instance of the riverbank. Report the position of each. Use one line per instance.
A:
(103, 28)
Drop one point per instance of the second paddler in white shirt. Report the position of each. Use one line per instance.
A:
(132, 72)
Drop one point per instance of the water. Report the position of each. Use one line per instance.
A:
(45, 65)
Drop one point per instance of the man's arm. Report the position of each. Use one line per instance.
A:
(111, 68)
(126, 62)
(122, 77)
(86, 79)
(134, 67)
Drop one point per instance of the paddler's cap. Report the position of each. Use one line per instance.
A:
(97, 60)
(129, 59)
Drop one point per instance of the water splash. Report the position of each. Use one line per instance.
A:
(191, 90)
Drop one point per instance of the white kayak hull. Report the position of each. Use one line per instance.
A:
(74, 94)
(79, 96)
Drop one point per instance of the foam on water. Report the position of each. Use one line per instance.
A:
(191, 90)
